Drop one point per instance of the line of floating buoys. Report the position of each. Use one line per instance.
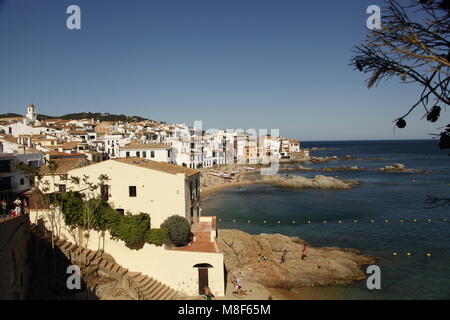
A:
(354, 221)
(428, 182)
(410, 254)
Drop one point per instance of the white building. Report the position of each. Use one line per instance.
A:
(13, 181)
(160, 189)
(112, 143)
(31, 114)
(155, 151)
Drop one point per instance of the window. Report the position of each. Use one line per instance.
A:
(138, 154)
(62, 188)
(22, 181)
(127, 154)
(121, 211)
(144, 154)
(152, 154)
(168, 153)
(5, 166)
(196, 188)
(132, 191)
(33, 163)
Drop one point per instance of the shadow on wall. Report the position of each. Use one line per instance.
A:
(15, 241)
(49, 277)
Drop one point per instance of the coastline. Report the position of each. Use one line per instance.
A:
(208, 191)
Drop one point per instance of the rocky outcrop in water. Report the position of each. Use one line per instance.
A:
(299, 182)
(322, 266)
(342, 168)
(401, 168)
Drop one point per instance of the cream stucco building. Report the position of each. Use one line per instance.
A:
(140, 185)
(160, 189)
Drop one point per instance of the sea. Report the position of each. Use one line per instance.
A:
(386, 216)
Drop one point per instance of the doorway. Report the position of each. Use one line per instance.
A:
(203, 276)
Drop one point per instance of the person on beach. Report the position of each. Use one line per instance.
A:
(303, 256)
(238, 288)
(208, 294)
(283, 257)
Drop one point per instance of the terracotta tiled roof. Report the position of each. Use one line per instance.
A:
(77, 132)
(63, 154)
(203, 242)
(64, 165)
(8, 138)
(158, 166)
(70, 145)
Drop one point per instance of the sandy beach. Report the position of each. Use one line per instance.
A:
(211, 183)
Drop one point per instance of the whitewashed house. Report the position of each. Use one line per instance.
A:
(154, 151)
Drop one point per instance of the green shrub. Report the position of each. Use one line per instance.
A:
(179, 229)
(133, 229)
(114, 220)
(95, 214)
(98, 215)
(71, 206)
(157, 236)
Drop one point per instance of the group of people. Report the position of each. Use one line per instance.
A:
(262, 258)
(303, 255)
(237, 282)
(17, 208)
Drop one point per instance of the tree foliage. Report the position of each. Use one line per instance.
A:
(132, 229)
(412, 45)
(179, 229)
(157, 236)
(98, 215)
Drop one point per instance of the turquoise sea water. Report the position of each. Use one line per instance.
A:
(381, 196)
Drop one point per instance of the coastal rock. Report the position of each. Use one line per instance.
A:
(401, 168)
(342, 168)
(299, 182)
(323, 266)
(352, 182)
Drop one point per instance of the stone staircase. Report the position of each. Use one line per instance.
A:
(139, 286)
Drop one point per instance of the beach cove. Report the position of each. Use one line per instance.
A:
(382, 216)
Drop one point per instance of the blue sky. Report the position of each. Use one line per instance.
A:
(230, 63)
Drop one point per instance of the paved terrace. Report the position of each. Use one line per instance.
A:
(204, 237)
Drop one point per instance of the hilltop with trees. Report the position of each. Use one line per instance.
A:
(83, 115)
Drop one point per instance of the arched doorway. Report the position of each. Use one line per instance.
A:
(202, 276)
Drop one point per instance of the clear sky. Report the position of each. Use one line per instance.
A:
(230, 63)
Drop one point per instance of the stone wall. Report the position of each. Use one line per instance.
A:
(15, 244)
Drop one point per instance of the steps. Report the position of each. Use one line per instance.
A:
(142, 286)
